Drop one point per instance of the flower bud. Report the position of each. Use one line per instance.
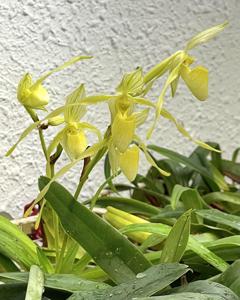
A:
(32, 95)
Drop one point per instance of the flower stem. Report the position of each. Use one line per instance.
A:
(87, 168)
(35, 118)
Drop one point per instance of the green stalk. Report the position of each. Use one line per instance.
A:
(87, 168)
(35, 118)
(61, 255)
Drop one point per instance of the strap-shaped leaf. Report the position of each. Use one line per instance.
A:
(117, 256)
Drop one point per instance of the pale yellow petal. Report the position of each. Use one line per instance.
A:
(23, 87)
(38, 97)
(123, 129)
(142, 101)
(167, 115)
(205, 36)
(54, 143)
(141, 117)
(76, 112)
(91, 100)
(173, 75)
(90, 127)
(129, 161)
(132, 83)
(33, 126)
(196, 80)
(64, 66)
(161, 68)
(148, 156)
(113, 155)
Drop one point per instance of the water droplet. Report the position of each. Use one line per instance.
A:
(140, 275)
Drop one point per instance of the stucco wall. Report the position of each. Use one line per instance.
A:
(38, 35)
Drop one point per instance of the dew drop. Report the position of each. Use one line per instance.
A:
(140, 275)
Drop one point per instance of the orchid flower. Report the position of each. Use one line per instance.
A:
(178, 66)
(34, 95)
(72, 137)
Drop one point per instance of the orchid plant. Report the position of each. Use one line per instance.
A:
(129, 108)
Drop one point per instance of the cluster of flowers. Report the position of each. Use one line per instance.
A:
(120, 140)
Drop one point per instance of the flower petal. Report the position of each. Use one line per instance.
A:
(129, 161)
(149, 157)
(90, 127)
(196, 80)
(132, 83)
(113, 155)
(141, 116)
(64, 66)
(38, 97)
(123, 129)
(167, 115)
(23, 87)
(88, 152)
(205, 36)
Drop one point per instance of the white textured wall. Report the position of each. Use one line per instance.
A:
(38, 35)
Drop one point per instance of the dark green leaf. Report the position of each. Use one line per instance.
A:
(61, 282)
(217, 216)
(117, 256)
(191, 164)
(148, 283)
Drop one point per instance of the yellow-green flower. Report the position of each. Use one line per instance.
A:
(33, 94)
(178, 66)
(123, 145)
(72, 137)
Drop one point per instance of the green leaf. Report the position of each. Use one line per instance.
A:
(217, 216)
(16, 245)
(35, 284)
(193, 244)
(227, 248)
(192, 200)
(129, 205)
(209, 288)
(154, 279)
(61, 282)
(6, 265)
(44, 261)
(231, 169)
(222, 197)
(117, 256)
(184, 296)
(231, 277)
(214, 182)
(177, 239)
